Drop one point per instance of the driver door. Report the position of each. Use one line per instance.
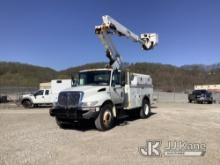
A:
(117, 91)
(39, 96)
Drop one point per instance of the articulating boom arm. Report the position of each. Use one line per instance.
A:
(111, 26)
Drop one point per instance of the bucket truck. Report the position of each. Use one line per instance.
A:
(111, 26)
(103, 94)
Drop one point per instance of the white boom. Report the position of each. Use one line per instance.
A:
(111, 26)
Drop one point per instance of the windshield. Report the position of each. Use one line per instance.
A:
(199, 91)
(95, 77)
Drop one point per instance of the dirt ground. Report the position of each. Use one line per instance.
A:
(32, 137)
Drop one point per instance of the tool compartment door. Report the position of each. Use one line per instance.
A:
(139, 86)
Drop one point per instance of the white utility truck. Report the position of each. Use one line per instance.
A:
(46, 96)
(102, 94)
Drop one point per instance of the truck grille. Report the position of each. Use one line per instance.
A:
(69, 99)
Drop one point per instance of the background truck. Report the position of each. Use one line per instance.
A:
(200, 96)
(102, 94)
(45, 96)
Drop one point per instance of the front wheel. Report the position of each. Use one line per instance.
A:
(145, 109)
(27, 104)
(105, 119)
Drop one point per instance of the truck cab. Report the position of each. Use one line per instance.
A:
(101, 94)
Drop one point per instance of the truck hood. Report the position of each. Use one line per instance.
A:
(27, 95)
(87, 88)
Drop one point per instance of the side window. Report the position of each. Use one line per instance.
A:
(196, 92)
(82, 80)
(47, 92)
(38, 93)
(59, 81)
(116, 78)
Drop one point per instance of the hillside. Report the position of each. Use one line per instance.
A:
(17, 74)
(207, 68)
(165, 77)
(172, 78)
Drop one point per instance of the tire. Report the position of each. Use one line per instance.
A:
(145, 109)
(62, 124)
(27, 104)
(210, 102)
(190, 101)
(105, 119)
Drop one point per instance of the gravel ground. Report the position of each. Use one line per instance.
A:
(32, 137)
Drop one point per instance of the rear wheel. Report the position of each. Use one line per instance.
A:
(27, 104)
(105, 119)
(145, 109)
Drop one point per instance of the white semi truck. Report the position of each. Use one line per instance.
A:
(102, 94)
(46, 96)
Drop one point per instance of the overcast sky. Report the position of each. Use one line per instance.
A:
(60, 33)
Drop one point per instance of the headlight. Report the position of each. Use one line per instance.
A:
(89, 104)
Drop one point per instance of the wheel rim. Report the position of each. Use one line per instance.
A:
(27, 104)
(146, 109)
(107, 117)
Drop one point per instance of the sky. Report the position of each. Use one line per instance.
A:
(60, 33)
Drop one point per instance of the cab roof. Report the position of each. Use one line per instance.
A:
(98, 69)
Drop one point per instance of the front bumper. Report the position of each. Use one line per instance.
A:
(77, 113)
(205, 99)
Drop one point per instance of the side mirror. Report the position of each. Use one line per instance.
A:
(74, 80)
(123, 83)
(113, 84)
